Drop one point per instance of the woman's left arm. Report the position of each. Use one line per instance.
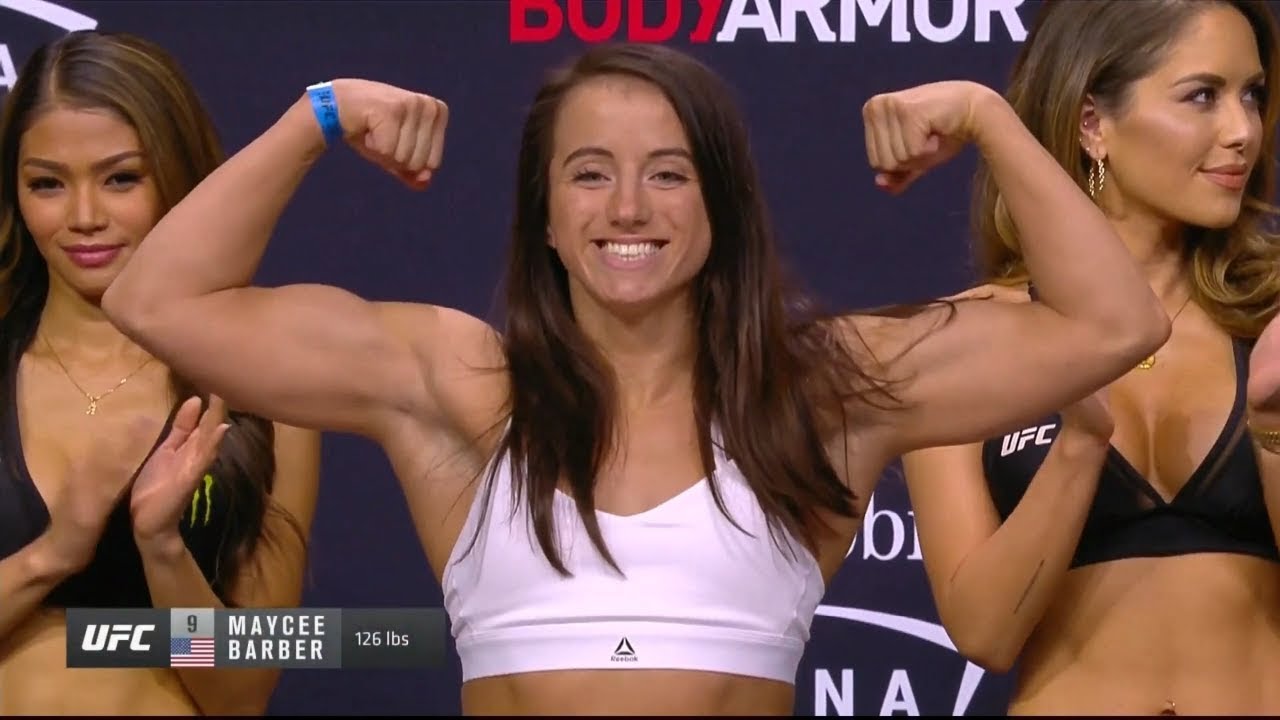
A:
(1264, 416)
(273, 577)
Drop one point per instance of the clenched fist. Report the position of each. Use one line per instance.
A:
(913, 130)
(398, 130)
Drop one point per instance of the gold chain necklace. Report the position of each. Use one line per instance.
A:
(93, 399)
(1150, 362)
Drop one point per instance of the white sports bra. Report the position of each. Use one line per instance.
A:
(698, 594)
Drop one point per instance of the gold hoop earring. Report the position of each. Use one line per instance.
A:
(1097, 178)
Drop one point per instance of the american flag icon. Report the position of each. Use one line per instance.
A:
(191, 652)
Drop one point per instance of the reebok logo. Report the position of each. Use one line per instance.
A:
(1016, 441)
(624, 652)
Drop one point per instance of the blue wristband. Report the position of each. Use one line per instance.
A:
(325, 106)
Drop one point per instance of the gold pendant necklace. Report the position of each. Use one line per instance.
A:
(93, 399)
(1150, 362)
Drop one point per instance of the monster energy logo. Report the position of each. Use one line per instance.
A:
(208, 501)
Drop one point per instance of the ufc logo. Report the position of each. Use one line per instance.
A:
(1014, 442)
(108, 637)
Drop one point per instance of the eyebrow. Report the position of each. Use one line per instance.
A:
(99, 165)
(1217, 80)
(601, 152)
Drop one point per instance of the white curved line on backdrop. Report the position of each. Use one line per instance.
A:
(52, 13)
(916, 628)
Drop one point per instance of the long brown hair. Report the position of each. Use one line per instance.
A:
(770, 373)
(142, 85)
(1101, 48)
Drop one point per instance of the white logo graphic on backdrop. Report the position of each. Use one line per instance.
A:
(932, 21)
(52, 13)
(833, 689)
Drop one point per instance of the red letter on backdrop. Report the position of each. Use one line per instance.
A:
(637, 31)
(578, 21)
(522, 31)
(706, 21)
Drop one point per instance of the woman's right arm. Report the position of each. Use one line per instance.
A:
(993, 581)
(95, 485)
(307, 355)
(26, 577)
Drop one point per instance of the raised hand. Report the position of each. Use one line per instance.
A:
(398, 130)
(911, 131)
(162, 491)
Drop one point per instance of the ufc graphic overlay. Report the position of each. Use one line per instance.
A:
(117, 638)
(393, 638)
(191, 637)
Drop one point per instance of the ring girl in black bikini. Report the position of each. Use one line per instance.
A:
(1123, 551)
(101, 135)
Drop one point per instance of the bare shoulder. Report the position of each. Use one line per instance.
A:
(433, 334)
(436, 332)
(438, 451)
(462, 368)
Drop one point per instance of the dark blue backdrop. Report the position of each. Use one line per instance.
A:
(802, 70)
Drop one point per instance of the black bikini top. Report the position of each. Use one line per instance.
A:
(114, 578)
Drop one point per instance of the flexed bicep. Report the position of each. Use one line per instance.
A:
(970, 368)
(307, 355)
